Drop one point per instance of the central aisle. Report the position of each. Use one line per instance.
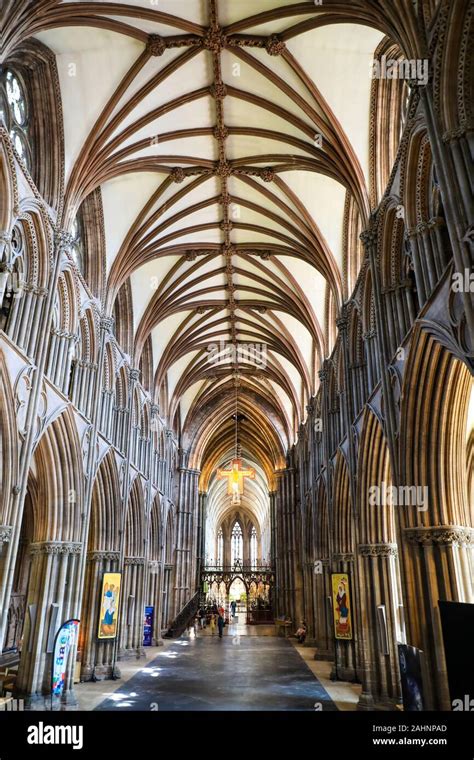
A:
(237, 672)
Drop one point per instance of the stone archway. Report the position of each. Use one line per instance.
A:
(103, 556)
(438, 540)
(53, 593)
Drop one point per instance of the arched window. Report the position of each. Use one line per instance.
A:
(220, 548)
(253, 547)
(236, 544)
(14, 113)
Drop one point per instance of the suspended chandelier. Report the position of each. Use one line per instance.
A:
(236, 474)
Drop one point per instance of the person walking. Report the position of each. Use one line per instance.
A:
(233, 606)
(213, 623)
(202, 617)
(220, 624)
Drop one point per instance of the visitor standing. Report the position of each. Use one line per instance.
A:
(202, 617)
(220, 624)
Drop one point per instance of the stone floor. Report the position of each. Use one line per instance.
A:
(249, 669)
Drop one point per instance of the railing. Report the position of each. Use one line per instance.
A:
(238, 567)
(183, 618)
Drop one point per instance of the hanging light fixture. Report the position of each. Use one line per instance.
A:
(235, 476)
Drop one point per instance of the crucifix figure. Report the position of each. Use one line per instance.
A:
(235, 478)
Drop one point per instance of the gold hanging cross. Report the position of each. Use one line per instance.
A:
(235, 478)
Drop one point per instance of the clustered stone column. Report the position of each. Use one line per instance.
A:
(54, 574)
(188, 505)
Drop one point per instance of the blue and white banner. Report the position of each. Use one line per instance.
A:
(64, 641)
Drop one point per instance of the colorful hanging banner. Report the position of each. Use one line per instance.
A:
(341, 603)
(109, 605)
(63, 643)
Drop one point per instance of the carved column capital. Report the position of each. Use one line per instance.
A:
(343, 557)
(134, 560)
(440, 535)
(378, 550)
(103, 556)
(56, 547)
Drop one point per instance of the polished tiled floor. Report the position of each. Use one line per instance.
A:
(241, 671)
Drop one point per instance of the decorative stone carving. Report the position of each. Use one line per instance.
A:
(267, 174)
(56, 547)
(275, 46)
(443, 535)
(156, 45)
(342, 320)
(5, 533)
(221, 132)
(63, 241)
(343, 557)
(177, 174)
(223, 169)
(214, 40)
(378, 550)
(369, 237)
(134, 560)
(218, 90)
(103, 556)
(107, 324)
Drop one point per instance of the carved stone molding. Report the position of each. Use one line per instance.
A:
(456, 134)
(218, 90)
(442, 535)
(56, 547)
(103, 556)
(342, 320)
(369, 237)
(221, 132)
(214, 40)
(275, 46)
(63, 240)
(343, 557)
(134, 561)
(107, 324)
(5, 533)
(177, 174)
(378, 550)
(156, 45)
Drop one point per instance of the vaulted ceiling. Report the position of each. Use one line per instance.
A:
(224, 136)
